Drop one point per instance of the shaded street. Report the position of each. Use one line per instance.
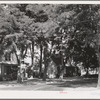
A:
(72, 83)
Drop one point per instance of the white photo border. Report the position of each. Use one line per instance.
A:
(50, 94)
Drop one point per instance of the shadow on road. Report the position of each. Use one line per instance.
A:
(75, 83)
(57, 84)
(26, 82)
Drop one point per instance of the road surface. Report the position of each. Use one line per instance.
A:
(51, 85)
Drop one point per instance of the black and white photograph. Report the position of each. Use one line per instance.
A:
(50, 47)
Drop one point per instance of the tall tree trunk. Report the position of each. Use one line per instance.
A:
(63, 68)
(25, 53)
(58, 71)
(51, 48)
(98, 85)
(32, 53)
(17, 59)
(87, 71)
(98, 51)
(41, 49)
(45, 65)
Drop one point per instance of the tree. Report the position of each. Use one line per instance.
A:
(8, 27)
(43, 26)
(85, 23)
(72, 30)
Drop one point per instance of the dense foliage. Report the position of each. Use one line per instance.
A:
(63, 33)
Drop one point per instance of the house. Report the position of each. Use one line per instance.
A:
(8, 67)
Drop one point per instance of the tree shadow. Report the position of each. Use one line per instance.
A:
(75, 83)
(26, 82)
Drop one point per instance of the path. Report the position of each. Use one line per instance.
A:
(73, 83)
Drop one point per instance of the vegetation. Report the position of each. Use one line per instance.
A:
(63, 33)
